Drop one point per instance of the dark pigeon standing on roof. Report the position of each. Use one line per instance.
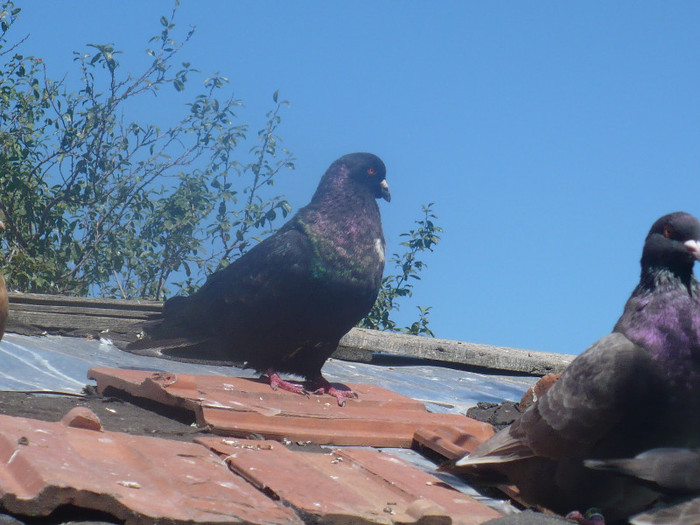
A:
(633, 390)
(284, 305)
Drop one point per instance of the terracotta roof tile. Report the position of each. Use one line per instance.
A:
(349, 485)
(449, 442)
(241, 407)
(137, 479)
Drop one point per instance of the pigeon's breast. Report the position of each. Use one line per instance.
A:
(353, 263)
(348, 249)
(667, 324)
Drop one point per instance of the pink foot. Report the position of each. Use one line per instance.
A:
(322, 386)
(277, 382)
(592, 517)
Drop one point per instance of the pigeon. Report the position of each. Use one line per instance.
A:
(284, 305)
(4, 303)
(673, 471)
(633, 390)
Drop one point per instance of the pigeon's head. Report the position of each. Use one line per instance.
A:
(673, 243)
(363, 169)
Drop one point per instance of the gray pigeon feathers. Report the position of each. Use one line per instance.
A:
(633, 390)
(672, 470)
(675, 472)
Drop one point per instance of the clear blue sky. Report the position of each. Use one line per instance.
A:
(550, 135)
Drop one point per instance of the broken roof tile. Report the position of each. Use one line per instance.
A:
(349, 485)
(241, 407)
(449, 442)
(136, 479)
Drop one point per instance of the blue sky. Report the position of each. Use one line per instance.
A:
(550, 135)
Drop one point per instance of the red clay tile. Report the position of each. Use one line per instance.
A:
(537, 390)
(241, 407)
(82, 417)
(136, 479)
(349, 485)
(450, 442)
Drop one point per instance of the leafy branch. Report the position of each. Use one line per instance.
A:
(96, 202)
(400, 284)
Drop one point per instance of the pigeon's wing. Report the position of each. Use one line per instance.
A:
(261, 290)
(609, 385)
(670, 469)
(597, 392)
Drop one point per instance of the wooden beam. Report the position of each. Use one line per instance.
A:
(33, 314)
(362, 341)
(120, 320)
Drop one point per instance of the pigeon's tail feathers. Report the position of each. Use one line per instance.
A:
(474, 461)
(182, 317)
(177, 307)
(501, 448)
(482, 473)
(614, 465)
(207, 351)
(490, 462)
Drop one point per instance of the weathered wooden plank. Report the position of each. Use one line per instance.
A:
(17, 298)
(80, 316)
(69, 310)
(486, 356)
(33, 314)
(92, 323)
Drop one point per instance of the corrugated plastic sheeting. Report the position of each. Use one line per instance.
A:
(61, 364)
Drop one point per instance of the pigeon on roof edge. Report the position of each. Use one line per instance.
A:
(284, 305)
(636, 389)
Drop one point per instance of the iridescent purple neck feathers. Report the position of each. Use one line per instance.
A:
(663, 313)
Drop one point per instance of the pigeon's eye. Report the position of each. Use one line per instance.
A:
(668, 231)
(371, 171)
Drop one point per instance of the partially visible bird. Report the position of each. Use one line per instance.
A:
(4, 302)
(673, 471)
(285, 304)
(633, 390)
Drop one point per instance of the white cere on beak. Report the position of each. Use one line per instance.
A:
(385, 190)
(379, 247)
(693, 247)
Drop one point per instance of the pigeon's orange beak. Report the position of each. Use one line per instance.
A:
(385, 191)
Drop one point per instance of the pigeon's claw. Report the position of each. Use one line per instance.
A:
(322, 386)
(592, 517)
(277, 382)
